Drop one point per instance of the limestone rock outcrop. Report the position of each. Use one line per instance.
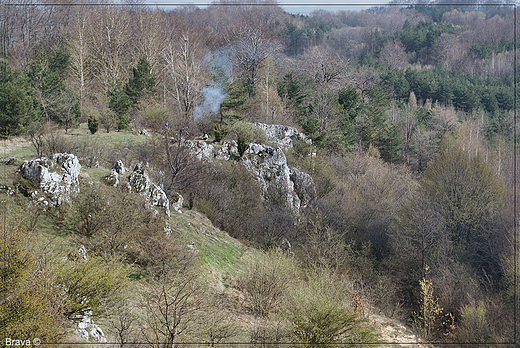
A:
(119, 167)
(86, 329)
(140, 183)
(282, 135)
(206, 151)
(269, 165)
(178, 205)
(303, 186)
(57, 177)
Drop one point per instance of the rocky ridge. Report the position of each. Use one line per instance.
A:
(57, 180)
(268, 164)
(139, 182)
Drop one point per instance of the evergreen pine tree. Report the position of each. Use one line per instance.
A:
(93, 124)
(390, 144)
(120, 103)
(17, 104)
(141, 82)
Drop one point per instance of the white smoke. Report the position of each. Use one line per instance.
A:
(213, 98)
(215, 94)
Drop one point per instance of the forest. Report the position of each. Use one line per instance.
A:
(408, 123)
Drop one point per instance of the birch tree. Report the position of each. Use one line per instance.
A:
(183, 57)
(109, 40)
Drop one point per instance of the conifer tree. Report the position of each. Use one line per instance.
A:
(119, 103)
(142, 81)
(17, 105)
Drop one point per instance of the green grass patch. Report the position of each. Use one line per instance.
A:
(94, 174)
(216, 249)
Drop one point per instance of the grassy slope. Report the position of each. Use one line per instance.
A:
(220, 255)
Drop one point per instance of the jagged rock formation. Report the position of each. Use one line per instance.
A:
(303, 186)
(119, 167)
(204, 150)
(86, 329)
(268, 164)
(178, 205)
(57, 177)
(113, 178)
(282, 135)
(140, 183)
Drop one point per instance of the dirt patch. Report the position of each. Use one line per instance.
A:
(393, 333)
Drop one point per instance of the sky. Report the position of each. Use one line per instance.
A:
(291, 6)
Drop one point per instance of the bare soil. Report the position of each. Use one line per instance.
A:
(394, 334)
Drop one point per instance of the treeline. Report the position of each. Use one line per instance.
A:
(465, 92)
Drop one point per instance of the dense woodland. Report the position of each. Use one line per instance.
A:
(411, 113)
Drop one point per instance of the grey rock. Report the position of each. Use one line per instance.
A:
(141, 183)
(168, 230)
(256, 149)
(208, 152)
(113, 178)
(86, 329)
(139, 168)
(282, 135)
(303, 186)
(57, 177)
(119, 167)
(82, 252)
(97, 333)
(273, 175)
(178, 205)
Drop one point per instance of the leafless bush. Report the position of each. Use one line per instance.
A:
(266, 279)
(271, 334)
(47, 139)
(90, 151)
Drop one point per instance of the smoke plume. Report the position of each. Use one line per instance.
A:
(213, 98)
(215, 94)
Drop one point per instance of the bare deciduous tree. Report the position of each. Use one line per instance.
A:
(174, 296)
(250, 48)
(183, 58)
(151, 36)
(393, 54)
(78, 48)
(272, 107)
(325, 67)
(109, 40)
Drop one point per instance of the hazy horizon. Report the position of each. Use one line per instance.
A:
(291, 6)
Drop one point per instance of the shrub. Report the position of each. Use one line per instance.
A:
(474, 326)
(273, 335)
(30, 303)
(321, 316)
(105, 223)
(241, 145)
(93, 124)
(155, 116)
(249, 133)
(220, 133)
(266, 279)
(430, 311)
